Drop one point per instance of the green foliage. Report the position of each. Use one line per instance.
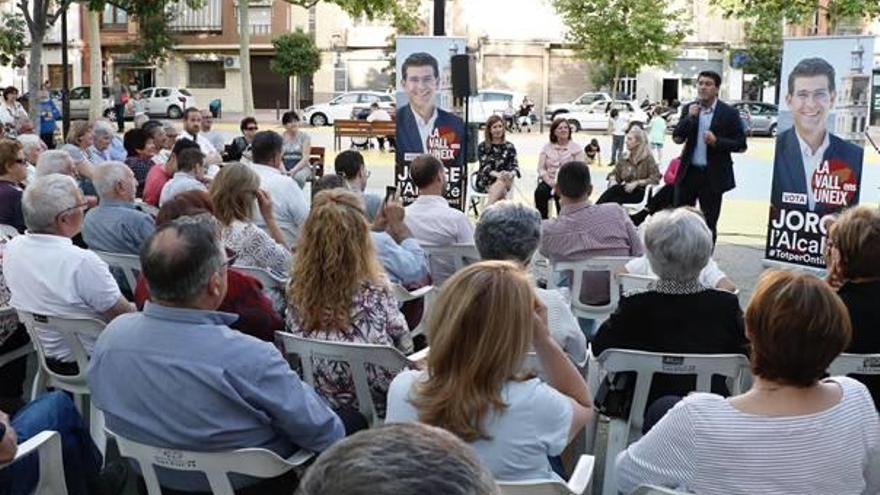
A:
(800, 11)
(12, 40)
(624, 35)
(355, 8)
(764, 49)
(295, 55)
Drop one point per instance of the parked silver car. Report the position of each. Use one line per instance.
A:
(758, 118)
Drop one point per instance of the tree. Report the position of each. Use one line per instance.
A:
(623, 35)
(244, 30)
(405, 20)
(12, 40)
(764, 50)
(370, 8)
(295, 56)
(801, 11)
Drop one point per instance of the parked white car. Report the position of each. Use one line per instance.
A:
(492, 101)
(343, 105)
(595, 118)
(582, 103)
(167, 102)
(80, 98)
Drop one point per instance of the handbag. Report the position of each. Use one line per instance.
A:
(672, 171)
(615, 395)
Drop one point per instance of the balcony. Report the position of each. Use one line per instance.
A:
(208, 18)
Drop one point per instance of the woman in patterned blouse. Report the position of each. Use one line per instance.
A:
(339, 292)
(496, 154)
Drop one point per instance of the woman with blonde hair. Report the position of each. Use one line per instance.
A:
(80, 138)
(235, 191)
(481, 328)
(632, 173)
(339, 292)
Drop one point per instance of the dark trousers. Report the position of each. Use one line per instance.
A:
(655, 412)
(49, 139)
(120, 117)
(661, 199)
(12, 375)
(543, 193)
(617, 194)
(282, 485)
(616, 147)
(695, 186)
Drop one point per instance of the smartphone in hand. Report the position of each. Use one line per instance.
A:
(390, 193)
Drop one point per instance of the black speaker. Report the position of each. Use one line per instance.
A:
(464, 76)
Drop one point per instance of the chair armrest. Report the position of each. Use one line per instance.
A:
(582, 475)
(300, 457)
(419, 355)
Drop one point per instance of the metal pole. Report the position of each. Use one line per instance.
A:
(65, 74)
(439, 17)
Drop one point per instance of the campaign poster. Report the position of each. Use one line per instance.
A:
(425, 122)
(817, 167)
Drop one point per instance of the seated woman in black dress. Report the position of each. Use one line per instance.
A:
(677, 314)
(497, 155)
(632, 173)
(853, 262)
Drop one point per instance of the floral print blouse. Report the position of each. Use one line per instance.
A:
(495, 158)
(375, 319)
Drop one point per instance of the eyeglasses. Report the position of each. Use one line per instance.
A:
(75, 207)
(230, 260)
(251, 128)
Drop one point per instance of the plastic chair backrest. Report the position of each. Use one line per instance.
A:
(269, 280)
(577, 485)
(461, 255)
(357, 356)
(472, 187)
(47, 444)
(8, 231)
(646, 364)
(22, 351)
(635, 207)
(425, 293)
(72, 329)
(633, 284)
(259, 463)
(128, 264)
(655, 490)
(610, 264)
(855, 364)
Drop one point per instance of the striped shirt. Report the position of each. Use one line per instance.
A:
(706, 446)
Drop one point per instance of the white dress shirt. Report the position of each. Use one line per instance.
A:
(200, 139)
(434, 223)
(180, 182)
(288, 202)
(426, 127)
(811, 162)
(47, 274)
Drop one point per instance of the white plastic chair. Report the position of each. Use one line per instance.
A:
(73, 330)
(146, 208)
(475, 197)
(632, 208)
(7, 231)
(258, 463)
(456, 255)
(47, 444)
(357, 356)
(128, 264)
(655, 490)
(576, 485)
(426, 293)
(623, 431)
(855, 364)
(610, 264)
(22, 351)
(633, 284)
(269, 280)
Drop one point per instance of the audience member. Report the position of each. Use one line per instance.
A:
(241, 145)
(170, 133)
(677, 313)
(12, 173)
(13, 336)
(190, 175)
(141, 148)
(560, 150)
(214, 137)
(244, 293)
(793, 431)
(634, 171)
(511, 231)
(399, 459)
(55, 162)
(378, 114)
(430, 218)
(192, 126)
(288, 201)
(99, 151)
(337, 292)
(235, 392)
(853, 262)
(79, 139)
(593, 153)
(235, 193)
(160, 174)
(497, 155)
(584, 230)
(49, 114)
(10, 109)
(32, 147)
(349, 164)
(48, 275)
(116, 225)
(479, 330)
(296, 149)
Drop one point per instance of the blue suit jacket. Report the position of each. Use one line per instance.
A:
(730, 138)
(788, 166)
(409, 140)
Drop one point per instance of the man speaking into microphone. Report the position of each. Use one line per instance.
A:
(711, 130)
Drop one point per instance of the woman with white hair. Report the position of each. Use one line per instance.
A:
(677, 313)
(32, 146)
(99, 151)
(632, 173)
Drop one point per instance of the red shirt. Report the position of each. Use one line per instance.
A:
(244, 297)
(156, 179)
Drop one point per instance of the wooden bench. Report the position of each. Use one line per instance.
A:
(316, 161)
(361, 129)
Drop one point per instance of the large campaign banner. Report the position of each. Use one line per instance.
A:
(425, 123)
(817, 166)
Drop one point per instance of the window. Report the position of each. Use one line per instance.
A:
(146, 93)
(259, 19)
(208, 17)
(206, 75)
(347, 99)
(80, 93)
(495, 97)
(367, 98)
(164, 92)
(114, 17)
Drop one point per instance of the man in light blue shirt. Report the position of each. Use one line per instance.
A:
(177, 376)
(116, 225)
(699, 159)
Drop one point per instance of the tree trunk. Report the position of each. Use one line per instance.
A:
(616, 82)
(96, 103)
(247, 90)
(35, 67)
(294, 100)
